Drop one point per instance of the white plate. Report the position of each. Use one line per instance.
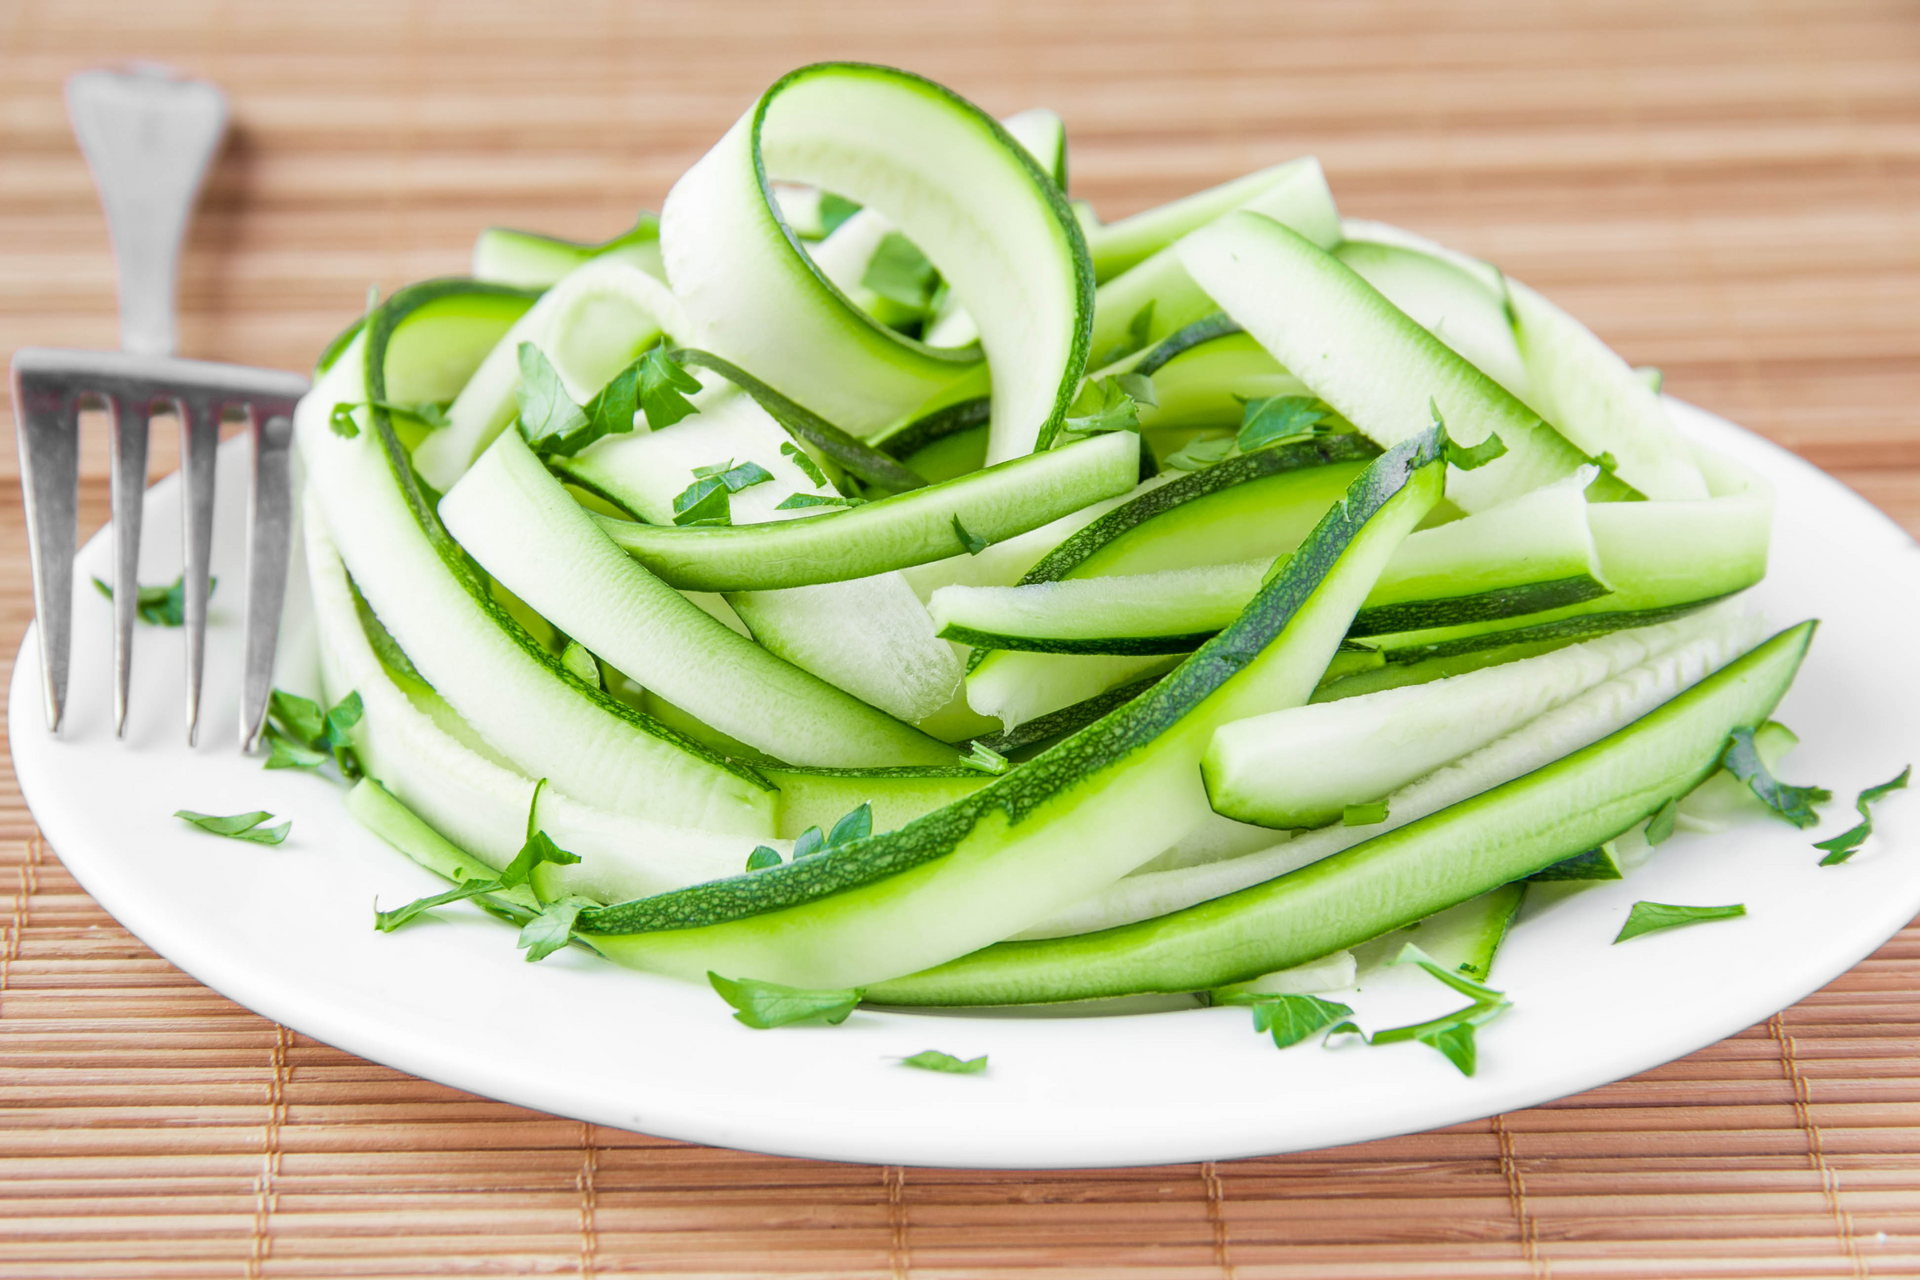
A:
(288, 931)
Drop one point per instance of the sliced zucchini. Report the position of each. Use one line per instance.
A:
(530, 260)
(1208, 384)
(1368, 359)
(1295, 195)
(905, 529)
(590, 326)
(954, 182)
(1055, 828)
(512, 689)
(1533, 553)
(1303, 766)
(1393, 879)
(1120, 246)
(821, 797)
(524, 529)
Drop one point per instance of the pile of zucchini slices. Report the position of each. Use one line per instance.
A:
(878, 575)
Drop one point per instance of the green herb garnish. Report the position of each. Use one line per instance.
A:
(548, 415)
(985, 759)
(934, 1060)
(1795, 804)
(855, 824)
(1198, 455)
(803, 460)
(762, 1005)
(160, 606)
(1289, 1018)
(1108, 405)
(835, 210)
(1660, 825)
(340, 420)
(974, 546)
(1451, 1034)
(1364, 815)
(1266, 420)
(1650, 917)
(239, 826)
(302, 736)
(800, 501)
(664, 387)
(1848, 842)
(552, 929)
(762, 856)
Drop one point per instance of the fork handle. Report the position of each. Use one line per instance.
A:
(148, 137)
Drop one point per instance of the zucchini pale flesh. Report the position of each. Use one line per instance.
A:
(1055, 828)
(1393, 880)
(954, 182)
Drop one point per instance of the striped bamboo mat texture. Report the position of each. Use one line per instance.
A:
(1725, 188)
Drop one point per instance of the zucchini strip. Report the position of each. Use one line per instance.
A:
(525, 530)
(1524, 556)
(1296, 197)
(1392, 880)
(907, 529)
(954, 182)
(1120, 246)
(1053, 829)
(529, 260)
(427, 594)
(1364, 356)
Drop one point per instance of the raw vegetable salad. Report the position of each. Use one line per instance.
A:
(878, 579)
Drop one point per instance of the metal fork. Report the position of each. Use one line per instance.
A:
(149, 138)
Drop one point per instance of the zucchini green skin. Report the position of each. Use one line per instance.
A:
(821, 797)
(1058, 724)
(697, 786)
(1391, 881)
(1559, 631)
(906, 529)
(1076, 817)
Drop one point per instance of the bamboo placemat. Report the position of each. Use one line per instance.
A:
(1725, 189)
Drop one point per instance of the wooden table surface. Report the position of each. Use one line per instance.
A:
(1727, 190)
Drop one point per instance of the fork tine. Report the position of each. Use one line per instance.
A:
(46, 423)
(269, 547)
(199, 438)
(128, 446)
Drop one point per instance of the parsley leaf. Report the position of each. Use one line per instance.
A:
(240, 826)
(974, 546)
(388, 921)
(551, 930)
(986, 760)
(768, 1004)
(809, 842)
(899, 272)
(744, 476)
(664, 387)
(1364, 815)
(803, 460)
(160, 606)
(703, 502)
(1198, 455)
(856, 825)
(1465, 457)
(1848, 842)
(800, 501)
(1648, 917)
(548, 416)
(835, 210)
(537, 851)
(1452, 1034)
(1594, 864)
(300, 735)
(1795, 804)
(340, 420)
(1455, 1040)
(762, 856)
(1266, 420)
(1105, 406)
(1290, 1018)
(934, 1060)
